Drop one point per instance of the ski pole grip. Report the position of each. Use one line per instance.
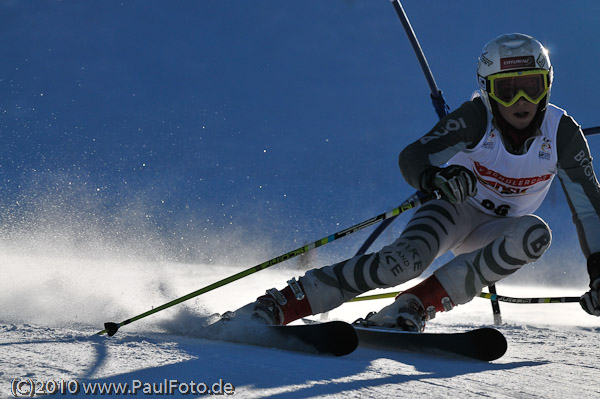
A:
(420, 198)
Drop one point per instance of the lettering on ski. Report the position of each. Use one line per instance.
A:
(485, 344)
(335, 338)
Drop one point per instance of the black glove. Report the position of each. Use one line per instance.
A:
(590, 301)
(455, 182)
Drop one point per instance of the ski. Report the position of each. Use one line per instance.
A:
(335, 338)
(485, 344)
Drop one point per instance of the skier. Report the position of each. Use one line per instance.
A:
(492, 160)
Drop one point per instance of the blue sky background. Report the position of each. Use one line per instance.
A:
(211, 129)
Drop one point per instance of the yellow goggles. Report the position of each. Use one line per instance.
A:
(507, 88)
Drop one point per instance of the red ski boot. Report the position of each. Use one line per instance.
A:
(414, 307)
(276, 307)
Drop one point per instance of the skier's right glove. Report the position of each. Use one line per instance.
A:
(590, 301)
(455, 182)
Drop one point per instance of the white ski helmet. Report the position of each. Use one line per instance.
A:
(509, 53)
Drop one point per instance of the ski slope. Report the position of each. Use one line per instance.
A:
(553, 348)
(150, 148)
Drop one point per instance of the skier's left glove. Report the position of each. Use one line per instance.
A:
(590, 301)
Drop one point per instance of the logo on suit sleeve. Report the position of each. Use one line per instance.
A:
(452, 125)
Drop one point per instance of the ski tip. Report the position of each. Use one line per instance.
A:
(351, 337)
(336, 338)
(490, 343)
(343, 338)
(111, 328)
(346, 340)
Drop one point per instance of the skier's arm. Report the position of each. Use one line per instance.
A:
(581, 187)
(576, 174)
(461, 129)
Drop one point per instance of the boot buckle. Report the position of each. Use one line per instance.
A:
(279, 297)
(296, 289)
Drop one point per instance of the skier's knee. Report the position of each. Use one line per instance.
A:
(527, 238)
(400, 262)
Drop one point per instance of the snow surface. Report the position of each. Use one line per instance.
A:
(553, 348)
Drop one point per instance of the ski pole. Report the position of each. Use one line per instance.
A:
(439, 103)
(591, 131)
(414, 201)
(485, 295)
(502, 298)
